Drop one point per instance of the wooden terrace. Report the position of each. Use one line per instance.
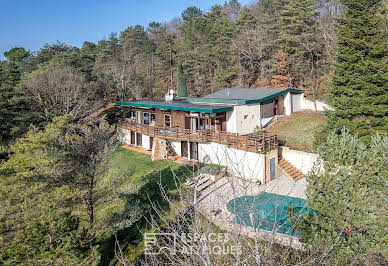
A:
(259, 143)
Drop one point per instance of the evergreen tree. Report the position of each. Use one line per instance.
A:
(298, 37)
(14, 112)
(182, 89)
(348, 196)
(359, 91)
(54, 238)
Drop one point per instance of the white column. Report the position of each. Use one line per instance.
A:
(287, 104)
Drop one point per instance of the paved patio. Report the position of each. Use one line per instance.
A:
(213, 200)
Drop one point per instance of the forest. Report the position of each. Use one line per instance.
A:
(65, 197)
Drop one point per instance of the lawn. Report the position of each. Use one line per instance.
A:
(150, 174)
(297, 130)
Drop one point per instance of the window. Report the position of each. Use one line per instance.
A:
(213, 123)
(130, 114)
(167, 120)
(146, 118)
(245, 117)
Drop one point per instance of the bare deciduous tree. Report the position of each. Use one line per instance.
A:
(59, 90)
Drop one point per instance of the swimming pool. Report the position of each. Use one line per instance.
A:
(268, 211)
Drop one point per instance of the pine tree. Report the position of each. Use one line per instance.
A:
(299, 33)
(359, 92)
(348, 196)
(182, 89)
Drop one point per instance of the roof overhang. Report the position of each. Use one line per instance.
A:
(199, 108)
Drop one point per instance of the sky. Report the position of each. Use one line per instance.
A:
(33, 23)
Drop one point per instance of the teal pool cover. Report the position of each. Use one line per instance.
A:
(268, 211)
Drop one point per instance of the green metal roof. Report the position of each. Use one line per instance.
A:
(177, 105)
(242, 96)
(226, 96)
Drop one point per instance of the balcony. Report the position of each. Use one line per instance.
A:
(259, 143)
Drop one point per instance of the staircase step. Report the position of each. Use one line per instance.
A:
(203, 186)
(291, 170)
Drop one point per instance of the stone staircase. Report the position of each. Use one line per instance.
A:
(291, 170)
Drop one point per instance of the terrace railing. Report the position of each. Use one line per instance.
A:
(258, 143)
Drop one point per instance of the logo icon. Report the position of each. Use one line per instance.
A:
(155, 243)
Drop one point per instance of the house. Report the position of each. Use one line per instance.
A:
(221, 128)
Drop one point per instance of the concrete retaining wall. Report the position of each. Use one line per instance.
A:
(307, 104)
(247, 165)
(302, 160)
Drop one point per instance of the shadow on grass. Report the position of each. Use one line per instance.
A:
(148, 194)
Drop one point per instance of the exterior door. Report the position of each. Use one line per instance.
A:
(194, 123)
(133, 137)
(151, 142)
(184, 149)
(272, 169)
(275, 107)
(138, 139)
(194, 150)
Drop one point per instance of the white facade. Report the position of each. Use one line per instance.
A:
(248, 165)
(243, 119)
(248, 118)
(296, 101)
(231, 121)
(145, 142)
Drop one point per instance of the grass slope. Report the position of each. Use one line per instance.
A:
(151, 173)
(298, 129)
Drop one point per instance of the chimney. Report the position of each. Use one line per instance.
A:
(169, 97)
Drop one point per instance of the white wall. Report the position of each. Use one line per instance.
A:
(304, 161)
(248, 165)
(296, 100)
(145, 142)
(231, 121)
(307, 104)
(247, 118)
